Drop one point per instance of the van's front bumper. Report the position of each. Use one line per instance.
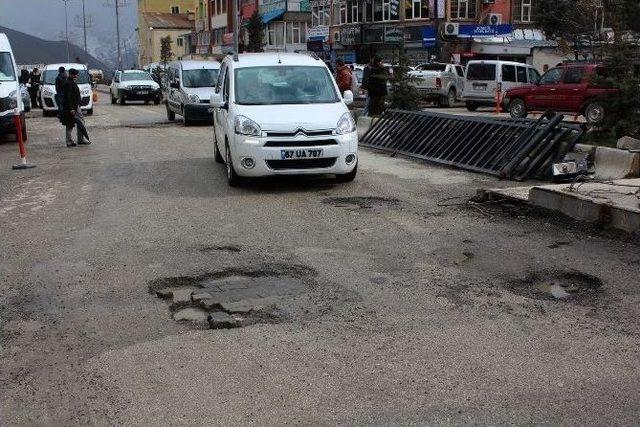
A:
(269, 160)
(49, 103)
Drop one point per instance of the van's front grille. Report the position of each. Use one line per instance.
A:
(300, 132)
(300, 143)
(85, 101)
(302, 163)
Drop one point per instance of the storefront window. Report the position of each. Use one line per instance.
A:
(464, 9)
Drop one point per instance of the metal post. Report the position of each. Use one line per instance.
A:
(118, 33)
(236, 40)
(66, 26)
(84, 27)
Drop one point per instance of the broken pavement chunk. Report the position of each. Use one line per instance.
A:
(222, 320)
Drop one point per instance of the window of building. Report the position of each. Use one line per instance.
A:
(522, 10)
(275, 34)
(320, 16)
(464, 9)
(349, 11)
(296, 32)
(342, 14)
(416, 9)
(218, 7)
(179, 42)
(200, 10)
(175, 9)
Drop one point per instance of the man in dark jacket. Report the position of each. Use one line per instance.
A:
(34, 78)
(71, 111)
(377, 86)
(61, 81)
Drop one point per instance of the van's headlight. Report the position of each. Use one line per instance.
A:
(13, 100)
(345, 124)
(48, 92)
(194, 98)
(86, 92)
(246, 126)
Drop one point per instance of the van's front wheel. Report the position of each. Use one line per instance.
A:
(232, 177)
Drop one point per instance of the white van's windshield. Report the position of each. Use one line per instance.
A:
(7, 73)
(481, 72)
(138, 75)
(49, 77)
(284, 85)
(199, 78)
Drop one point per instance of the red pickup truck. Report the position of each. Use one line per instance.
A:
(568, 88)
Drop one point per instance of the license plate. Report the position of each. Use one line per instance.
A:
(479, 87)
(300, 154)
(143, 92)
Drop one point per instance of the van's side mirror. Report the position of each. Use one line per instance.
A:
(347, 97)
(217, 101)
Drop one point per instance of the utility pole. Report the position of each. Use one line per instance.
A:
(236, 40)
(118, 34)
(84, 27)
(66, 26)
(84, 22)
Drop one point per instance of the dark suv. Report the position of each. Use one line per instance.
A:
(568, 88)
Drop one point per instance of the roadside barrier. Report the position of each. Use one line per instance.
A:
(508, 148)
(23, 150)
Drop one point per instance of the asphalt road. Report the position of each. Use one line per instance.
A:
(419, 308)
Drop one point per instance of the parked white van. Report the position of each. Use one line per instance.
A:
(10, 96)
(48, 88)
(484, 78)
(188, 88)
(282, 114)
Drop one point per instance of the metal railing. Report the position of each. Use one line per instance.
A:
(508, 148)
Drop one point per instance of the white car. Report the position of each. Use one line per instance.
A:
(188, 89)
(282, 114)
(134, 85)
(47, 90)
(10, 99)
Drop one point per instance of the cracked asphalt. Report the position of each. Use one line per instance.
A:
(421, 307)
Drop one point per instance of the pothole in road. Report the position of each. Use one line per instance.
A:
(234, 298)
(362, 202)
(563, 285)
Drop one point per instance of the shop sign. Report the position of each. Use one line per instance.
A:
(321, 32)
(429, 37)
(350, 35)
(393, 34)
(480, 31)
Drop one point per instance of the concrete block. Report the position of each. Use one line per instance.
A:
(611, 163)
(628, 143)
(191, 315)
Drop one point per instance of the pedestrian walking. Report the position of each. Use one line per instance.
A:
(365, 85)
(343, 76)
(61, 82)
(71, 112)
(377, 86)
(35, 77)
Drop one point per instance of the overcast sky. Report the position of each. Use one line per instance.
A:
(45, 19)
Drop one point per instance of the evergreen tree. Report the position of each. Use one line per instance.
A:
(404, 95)
(255, 29)
(166, 54)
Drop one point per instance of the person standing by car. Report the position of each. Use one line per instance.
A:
(61, 82)
(343, 76)
(377, 86)
(35, 77)
(71, 111)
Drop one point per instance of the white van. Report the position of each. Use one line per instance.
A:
(188, 88)
(48, 88)
(484, 78)
(10, 96)
(282, 114)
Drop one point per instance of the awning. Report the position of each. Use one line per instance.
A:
(273, 15)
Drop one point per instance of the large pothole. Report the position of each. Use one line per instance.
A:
(559, 285)
(234, 298)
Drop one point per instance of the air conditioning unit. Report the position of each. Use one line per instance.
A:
(451, 28)
(494, 19)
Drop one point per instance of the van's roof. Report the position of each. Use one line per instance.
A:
(494, 61)
(66, 66)
(5, 46)
(268, 58)
(196, 65)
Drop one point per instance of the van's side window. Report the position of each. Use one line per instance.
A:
(481, 72)
(221, 75)
(521, 74)
(534, 76)
(460, 70)
(225, 90)
(508, 73)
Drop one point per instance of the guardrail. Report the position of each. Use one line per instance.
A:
(508, 148)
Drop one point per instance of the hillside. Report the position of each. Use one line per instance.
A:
(32, 50)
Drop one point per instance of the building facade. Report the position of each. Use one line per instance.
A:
(158, 19)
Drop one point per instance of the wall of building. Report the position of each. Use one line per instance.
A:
(550, 57)
(164, 6)
(150, 44)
